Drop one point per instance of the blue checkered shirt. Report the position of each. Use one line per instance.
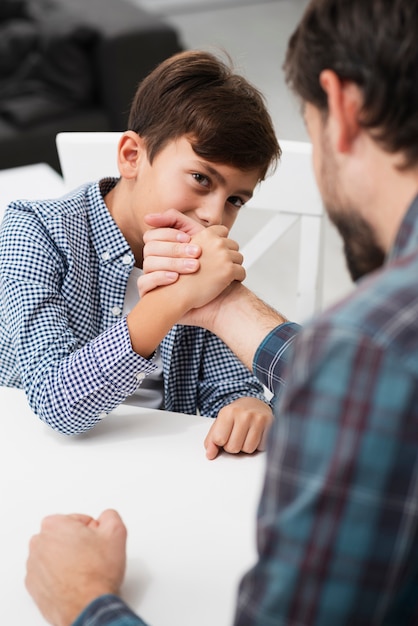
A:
(64, 267)
(338, 516)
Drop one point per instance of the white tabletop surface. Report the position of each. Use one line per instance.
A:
(191, 522)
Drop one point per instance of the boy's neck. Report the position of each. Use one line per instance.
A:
(118, 204)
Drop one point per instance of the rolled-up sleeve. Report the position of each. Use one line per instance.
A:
(108, 610)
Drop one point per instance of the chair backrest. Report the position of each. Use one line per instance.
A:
(87, 156)
(292, 197)
(292, 188)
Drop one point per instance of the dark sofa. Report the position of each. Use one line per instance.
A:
(71, 65)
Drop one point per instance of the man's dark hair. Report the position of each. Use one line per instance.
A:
(196, 94)
(373, 43)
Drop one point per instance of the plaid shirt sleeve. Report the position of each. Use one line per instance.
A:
(272, 357)
(70, 384)
(108, 610)
(338, 516)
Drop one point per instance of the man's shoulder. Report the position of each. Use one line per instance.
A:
(50, 224)
(74, 202)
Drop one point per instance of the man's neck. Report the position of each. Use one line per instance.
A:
(387, 195)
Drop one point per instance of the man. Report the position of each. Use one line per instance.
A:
(73, 333)
(338, 518)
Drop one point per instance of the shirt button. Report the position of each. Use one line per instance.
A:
(140, 376)
(126, 259)
(116, 311)
(105, 255)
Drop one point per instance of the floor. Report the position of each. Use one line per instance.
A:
(255, 33)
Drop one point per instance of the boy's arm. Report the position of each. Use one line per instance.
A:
(49, 319)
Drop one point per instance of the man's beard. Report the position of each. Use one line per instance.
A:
(362, 252)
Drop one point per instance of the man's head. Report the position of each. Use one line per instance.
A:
(356, 62)
(195, 94)
(372, 43)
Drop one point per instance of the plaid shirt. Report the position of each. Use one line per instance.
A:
(338, 517)
(64, 267)
(108, 611)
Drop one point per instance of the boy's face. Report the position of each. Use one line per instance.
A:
(178, 178)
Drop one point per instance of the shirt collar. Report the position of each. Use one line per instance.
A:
(106, 236)
(406, 241)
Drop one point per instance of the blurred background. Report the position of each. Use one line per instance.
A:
(255, 34)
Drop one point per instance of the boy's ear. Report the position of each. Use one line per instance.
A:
(131, 149)
(344, 108)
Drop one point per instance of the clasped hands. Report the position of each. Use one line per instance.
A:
(203, 263)
(178, 246)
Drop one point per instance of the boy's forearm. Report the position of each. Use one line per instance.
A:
(152, 318)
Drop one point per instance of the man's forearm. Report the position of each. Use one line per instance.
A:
(240, 319)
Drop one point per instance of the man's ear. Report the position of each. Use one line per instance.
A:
(344, 105)
(131, 149)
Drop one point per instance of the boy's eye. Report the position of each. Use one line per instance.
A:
(236, 201)
(201, 179)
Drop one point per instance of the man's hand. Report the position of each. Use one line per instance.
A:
(241, 426)
(73, 560)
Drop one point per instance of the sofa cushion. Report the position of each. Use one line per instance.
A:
(46, 68)
(10, 9)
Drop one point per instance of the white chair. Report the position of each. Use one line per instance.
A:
(87, 156)
(290, 194)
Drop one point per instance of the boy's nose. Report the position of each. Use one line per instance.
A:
(211, 211)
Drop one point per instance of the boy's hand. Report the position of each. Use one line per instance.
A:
(170, 252)
(241, 426)
(167, 254)
(172, 219)
(168, 249)
(73, 560)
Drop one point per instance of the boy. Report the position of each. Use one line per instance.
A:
(72, 332)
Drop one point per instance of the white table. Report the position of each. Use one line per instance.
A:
(191, 522)
(29, 182)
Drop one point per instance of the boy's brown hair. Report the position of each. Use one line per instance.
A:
(195, 94)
